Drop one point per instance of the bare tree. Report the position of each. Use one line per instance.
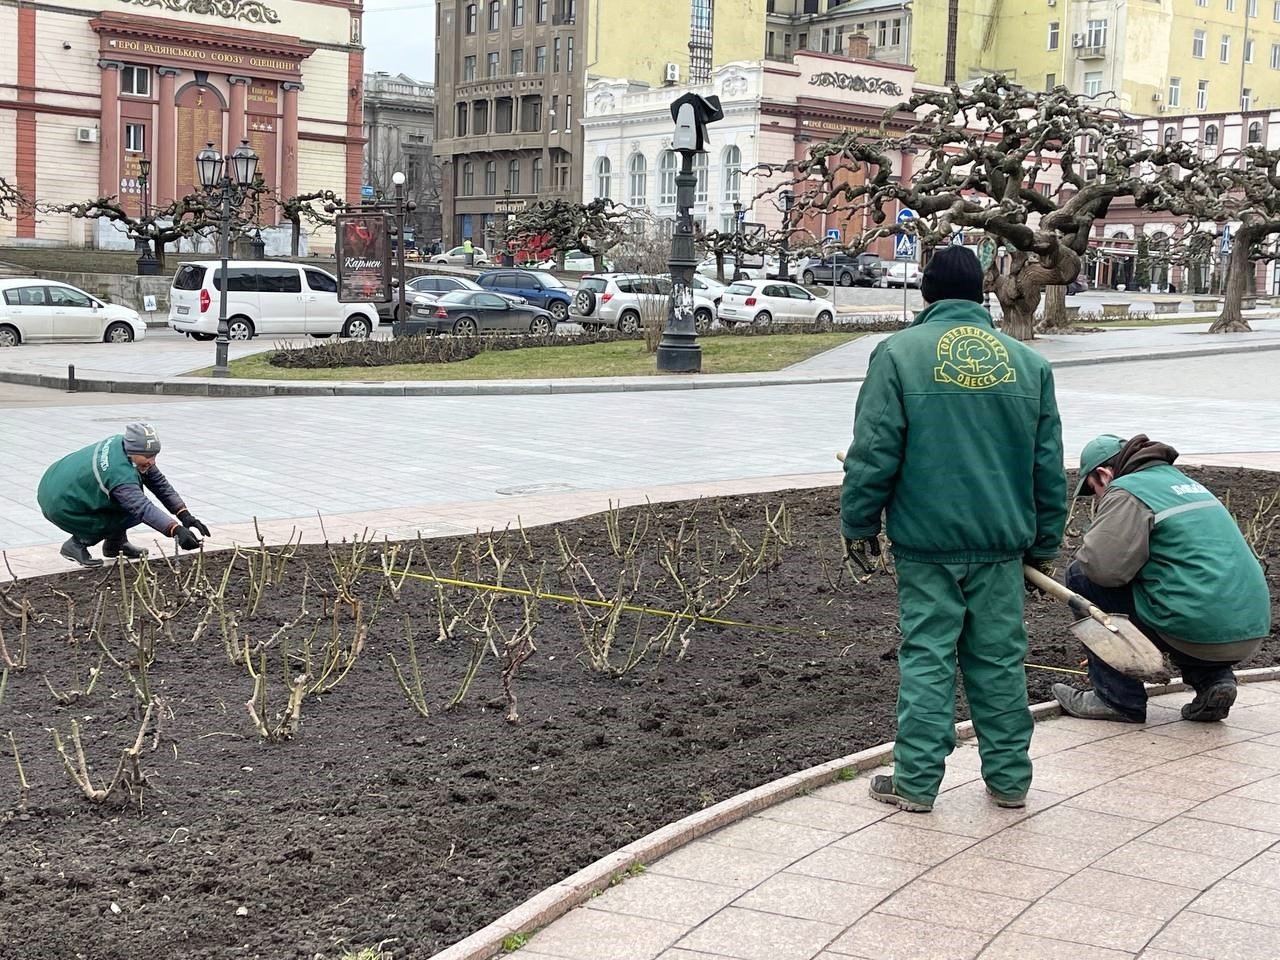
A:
(560, 226)
(11, 199)
(424, 177)
(985, 161)
(163, 225)
(317, 207)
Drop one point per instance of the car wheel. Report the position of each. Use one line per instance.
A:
(118, 332)
(558, 310)
(629, 322)
(9, 336)
(702, 320)
(824, 318)
(239, 328)
(541, 326)
(763, 318)
(357, 327)
(202, 337)
(584, 302)
(466, 327)
(846, 279)
(808, 278)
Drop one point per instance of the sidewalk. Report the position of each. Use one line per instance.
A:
(1156, 842)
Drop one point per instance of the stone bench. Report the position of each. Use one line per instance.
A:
(1115, 309)
(1166, 307)
(1204, 306)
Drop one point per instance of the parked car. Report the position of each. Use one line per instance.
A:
(533, 286)
(900, 272)
(457, 258)
(265, 298)
(771, 301)
(577, 261)
(708, 268)
(862, 270)
(33, 309)
(622, 300)
(465, 313)
(709, 287)
(424, 285)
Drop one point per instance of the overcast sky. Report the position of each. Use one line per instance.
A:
(400, 37)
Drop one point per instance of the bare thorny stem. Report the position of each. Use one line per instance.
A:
(128, 780)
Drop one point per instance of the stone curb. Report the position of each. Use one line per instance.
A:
(208, 387)
(560, 898)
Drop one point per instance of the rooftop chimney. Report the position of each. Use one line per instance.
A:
(859, 46)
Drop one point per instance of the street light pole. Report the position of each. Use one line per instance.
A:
(402, 315)
(148, 265)
(784, 247)
(737, 240)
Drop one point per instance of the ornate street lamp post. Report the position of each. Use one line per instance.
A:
(148, 263)
(225, 183)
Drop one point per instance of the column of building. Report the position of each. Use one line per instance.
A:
(109, 135)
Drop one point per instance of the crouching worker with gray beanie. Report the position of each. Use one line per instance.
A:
(96, 495)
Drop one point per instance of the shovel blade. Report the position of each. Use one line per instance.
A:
(1127, 648)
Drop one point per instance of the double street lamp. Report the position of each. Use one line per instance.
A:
(225, 183)
(148, 263)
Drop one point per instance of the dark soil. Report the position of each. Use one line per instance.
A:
(375, 824)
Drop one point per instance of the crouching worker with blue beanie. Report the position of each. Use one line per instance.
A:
(96, 494)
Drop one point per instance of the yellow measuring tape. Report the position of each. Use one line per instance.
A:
(632, 608)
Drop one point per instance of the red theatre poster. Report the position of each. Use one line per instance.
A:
(364, 258)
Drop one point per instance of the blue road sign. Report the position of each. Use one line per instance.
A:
(833, 234)
(366, 190)
(904, 247)
(1226, 241)
(957, 239)
(742, 216)
(905, 214)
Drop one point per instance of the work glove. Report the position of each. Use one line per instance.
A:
(186, 538)
(187, 520)
(1043, 564)
(861, 551)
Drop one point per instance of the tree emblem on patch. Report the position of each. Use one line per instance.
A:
(973, 358)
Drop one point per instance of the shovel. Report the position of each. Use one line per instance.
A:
(1113, 638)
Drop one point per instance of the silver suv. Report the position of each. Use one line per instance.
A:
(624, 300)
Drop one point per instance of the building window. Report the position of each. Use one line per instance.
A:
(1275, 56)
(1096, 33)
(555, 55)
(1170, 136)
(826, 40)
(700, 32)
(1253, 8)
(540, 59)
(492, 65)
(1246, 99)
(568, 113)
(1050, 81)
(517, 13)
(490, 178)
(1093, 83)
(513, 176)
(468, 179)
(1197, 44)
(1255, 132)
(1202, 95)
(1053, 35)
(638, 180)
(468, 68)
(700, 170)
(517, 60)
(568, 55)
(732, 173)
(1248, 50)
(604, 178)
(1275, 11)
(1231, 6)
(1211, 135)
(540, 11)
(1224, 48)
(495, 14)
(535, 186)
(667, 178)
(135, 138)
(1175, 91)
(135, 81)
(551, 114)
(470, 18)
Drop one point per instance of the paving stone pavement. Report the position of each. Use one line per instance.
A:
(1152, 842)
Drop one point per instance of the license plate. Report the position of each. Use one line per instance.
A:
(184, 310)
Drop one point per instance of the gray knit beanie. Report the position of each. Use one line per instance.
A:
(141, 438)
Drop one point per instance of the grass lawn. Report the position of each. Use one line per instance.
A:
(626, 358)
(1168, 320)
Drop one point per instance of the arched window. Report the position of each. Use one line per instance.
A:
(513, 176)
(468, 179)
(471, 18)
(667, 178)
(490, 178)
(495, 14)
(700, 169)
(1170, 136)
(732, 173)
(638, 187)
(1211, 135)
(604, 178)
(1255, 132)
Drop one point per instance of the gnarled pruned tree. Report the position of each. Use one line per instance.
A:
(560, 226)
(1033, 170)
(11, 199)
(160, 226)
(317, 207)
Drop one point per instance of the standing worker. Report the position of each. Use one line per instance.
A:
(957, 439)
(96, 494)
(1164, 551)
(468, 253)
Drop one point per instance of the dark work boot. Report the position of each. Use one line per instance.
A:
(1211, 704)
(1087, 705)
(112, 549)
(882, 789)
(76, 551)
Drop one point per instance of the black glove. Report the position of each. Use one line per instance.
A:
(187, 520)
(861, 551)
(186, 538)
(1043, 564)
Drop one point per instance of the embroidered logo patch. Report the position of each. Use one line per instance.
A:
(973, 358)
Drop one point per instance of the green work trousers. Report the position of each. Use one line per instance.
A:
(970, 613)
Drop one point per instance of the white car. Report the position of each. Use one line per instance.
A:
(576, 262)
(625, 300)
(265, 298)
(707, 268)
(901, 272)
(35, 309)
(458, 258)
(771, 301)
(709, 287)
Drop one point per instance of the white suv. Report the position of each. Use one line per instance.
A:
(623, 300)
(265, 298)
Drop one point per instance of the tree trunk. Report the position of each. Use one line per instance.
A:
(1236, 285)
(295, 236)
(1020, 289)
(720, 265)
(1055, 308)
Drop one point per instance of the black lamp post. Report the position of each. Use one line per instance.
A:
(737, 241)
(225, 184)
(148, 264)
(678, 351)
(784, 245)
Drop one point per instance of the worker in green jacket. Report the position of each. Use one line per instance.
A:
(96, 495)
(957, 441)
(1164, 551)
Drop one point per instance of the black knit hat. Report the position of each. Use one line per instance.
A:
(953, 274)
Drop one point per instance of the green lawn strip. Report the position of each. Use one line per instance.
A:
(626, 358)
(1169, 320)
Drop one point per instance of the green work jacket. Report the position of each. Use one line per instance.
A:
(75, 493)
(957, 439)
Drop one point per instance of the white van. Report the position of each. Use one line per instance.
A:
(265, 298)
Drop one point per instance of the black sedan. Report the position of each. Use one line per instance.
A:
(465, 313)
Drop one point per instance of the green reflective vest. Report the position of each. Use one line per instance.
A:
(1202, 583)
(75, 493)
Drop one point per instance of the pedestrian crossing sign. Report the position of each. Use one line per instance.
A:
(904, 247)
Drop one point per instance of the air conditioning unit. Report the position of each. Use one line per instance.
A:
(1077, 39)
(1160, 109)
(86, 134)
(672, 74)
(1156, 97)
(1053, 3)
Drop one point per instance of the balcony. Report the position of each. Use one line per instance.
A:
(1091, 52)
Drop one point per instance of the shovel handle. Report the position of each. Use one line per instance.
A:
(1078, 604)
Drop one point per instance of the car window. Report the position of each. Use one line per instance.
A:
(774, 290)
(550, 282)
(488, 280)
(741, 289)
(628, 285)
(190, 276)
(279, 281)
(489, 300)
(457, 296)
(321, 282)
(63, 297)
(596, 284)
(421, 284)
(797, 293)
(25, 297)
(664, 285)
(239, 280)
